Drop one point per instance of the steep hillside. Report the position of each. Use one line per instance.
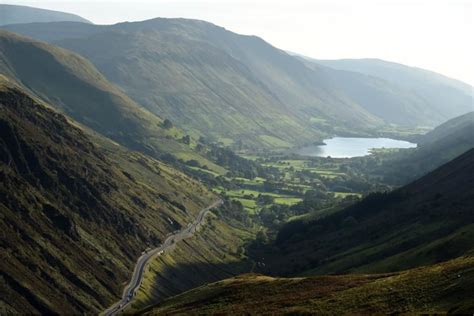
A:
(460, 128)
(72, 84)
(215, 253)
(437, 147)
(228, 73)
(427, 221)
(13, 14)
(75, 216)
(442, 288)
(447, 140)
(392, 103)
(446, 96)
(214, 82)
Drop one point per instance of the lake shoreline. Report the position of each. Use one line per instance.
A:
(349, 147)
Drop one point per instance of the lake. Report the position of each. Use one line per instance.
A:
(348, 147)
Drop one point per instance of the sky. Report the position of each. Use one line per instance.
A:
(433, 34)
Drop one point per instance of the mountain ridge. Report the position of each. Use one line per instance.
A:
(16, 14)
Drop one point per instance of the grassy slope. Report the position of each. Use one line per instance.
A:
(207, 92)
(447, 97)
(215, 253)
(73, 85)
(228, 74)
(212, 81)
(440, 288)
(427, 221)
(394, 104)
(435, 148)
(458, 127)
(74, 216)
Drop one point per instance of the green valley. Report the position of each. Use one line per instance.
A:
(171, 166)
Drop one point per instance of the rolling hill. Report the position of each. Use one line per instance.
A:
(15, 14)
(77, 209)
(439, 289)
(427, 221)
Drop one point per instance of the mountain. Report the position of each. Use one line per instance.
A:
(74, 86)
(240, 90)
(213, 82)
(435, 148)
(77, 209)
(447, 140)
(459, 128)
(438, 289)
(445, 96)
(16, 14)
(425, 222)
(394, 104)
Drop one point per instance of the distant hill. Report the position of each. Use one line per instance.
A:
(73, 85)
(77, 209)
(15, 14)
(392, 103)
(438, 289)
(445, 96)
(427, 221)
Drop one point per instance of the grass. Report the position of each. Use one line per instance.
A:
(186, 156)
(440, 288)
(287, 200)
(215, 251)
(299, 165)
(345, 194)
(213, 173)
(274, 142)
(249, 205)
(255, 181)
(90, 180)
(250, 192)
(318, 120)
(225, 141)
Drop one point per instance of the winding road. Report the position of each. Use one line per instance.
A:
(142, 261)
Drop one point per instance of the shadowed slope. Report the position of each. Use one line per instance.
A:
(74, 217)
(426, 221)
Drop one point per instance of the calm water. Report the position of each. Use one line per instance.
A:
(347, 147)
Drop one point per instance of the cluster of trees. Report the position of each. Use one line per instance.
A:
(237, 166)
(233, 210)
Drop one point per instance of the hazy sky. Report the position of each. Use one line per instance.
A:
(432, 34)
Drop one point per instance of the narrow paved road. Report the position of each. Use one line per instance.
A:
(139, 269)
